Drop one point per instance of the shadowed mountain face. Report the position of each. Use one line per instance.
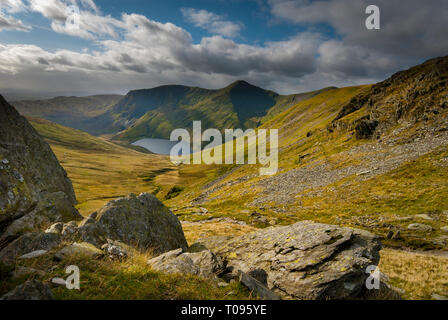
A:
(74, 112)
(250, 101)
(156, 112)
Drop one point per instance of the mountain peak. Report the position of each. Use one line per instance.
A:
(241, 84)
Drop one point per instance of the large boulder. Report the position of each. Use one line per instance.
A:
(143, 222)
(303, 261)
(34, 189)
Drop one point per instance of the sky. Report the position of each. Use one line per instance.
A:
(82, 47)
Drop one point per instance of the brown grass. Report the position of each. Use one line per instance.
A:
(195, 231)
(419, 275)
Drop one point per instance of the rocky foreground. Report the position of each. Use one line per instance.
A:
(37, 218)
(303, 261)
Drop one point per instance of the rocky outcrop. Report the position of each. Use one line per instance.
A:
(417, 95)
(30, 290)
(303, 261)
(34, 188)
(143, 222)
(29, 243)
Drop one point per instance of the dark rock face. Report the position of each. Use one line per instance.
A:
(30, 290)
(365, 128)
(303, 261)
(417, 95)
(28, 243)
(141, 221)
(34, 188)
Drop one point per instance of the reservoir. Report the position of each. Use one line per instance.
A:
(157, 146)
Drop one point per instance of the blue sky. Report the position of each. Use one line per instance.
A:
(284, 45)
(257, 24)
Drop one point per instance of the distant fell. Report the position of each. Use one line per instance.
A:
(154, 113)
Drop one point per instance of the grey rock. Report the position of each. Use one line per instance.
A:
(55, 228)
(424, 216)
(403, 218)
(77, 250)
(30, 290)
(115, 250)
(33, 254)
(141, 221)
(257, 287)
(35, 188)
(203, 263)
(209, 264)
(20, 272)
(306, 260)
(28, 243)
(174, 262)
(444, 229)
(58, 282)
(419, 227)
(69, 229)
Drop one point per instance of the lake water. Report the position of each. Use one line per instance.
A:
(158, 146)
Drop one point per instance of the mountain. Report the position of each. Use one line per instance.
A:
(75, 112)
(156, 112)
(371, 157)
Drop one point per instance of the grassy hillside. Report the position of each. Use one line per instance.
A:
(101, 170)
(74, 112)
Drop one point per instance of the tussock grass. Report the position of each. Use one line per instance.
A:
(130, 279)
(196, 231)
(419, 275)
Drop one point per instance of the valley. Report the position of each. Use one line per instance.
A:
(372, 157)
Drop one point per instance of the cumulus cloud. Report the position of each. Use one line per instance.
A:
(84, 22)
(12, 6)
(212, 22)
(133, 51)
(149, 48)
(8, 22)
(410, 31)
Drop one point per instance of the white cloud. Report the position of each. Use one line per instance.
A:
(212, 22)
(137, 52)
(12, 6)
(10, 23)
(90, 24)
(160, 52)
